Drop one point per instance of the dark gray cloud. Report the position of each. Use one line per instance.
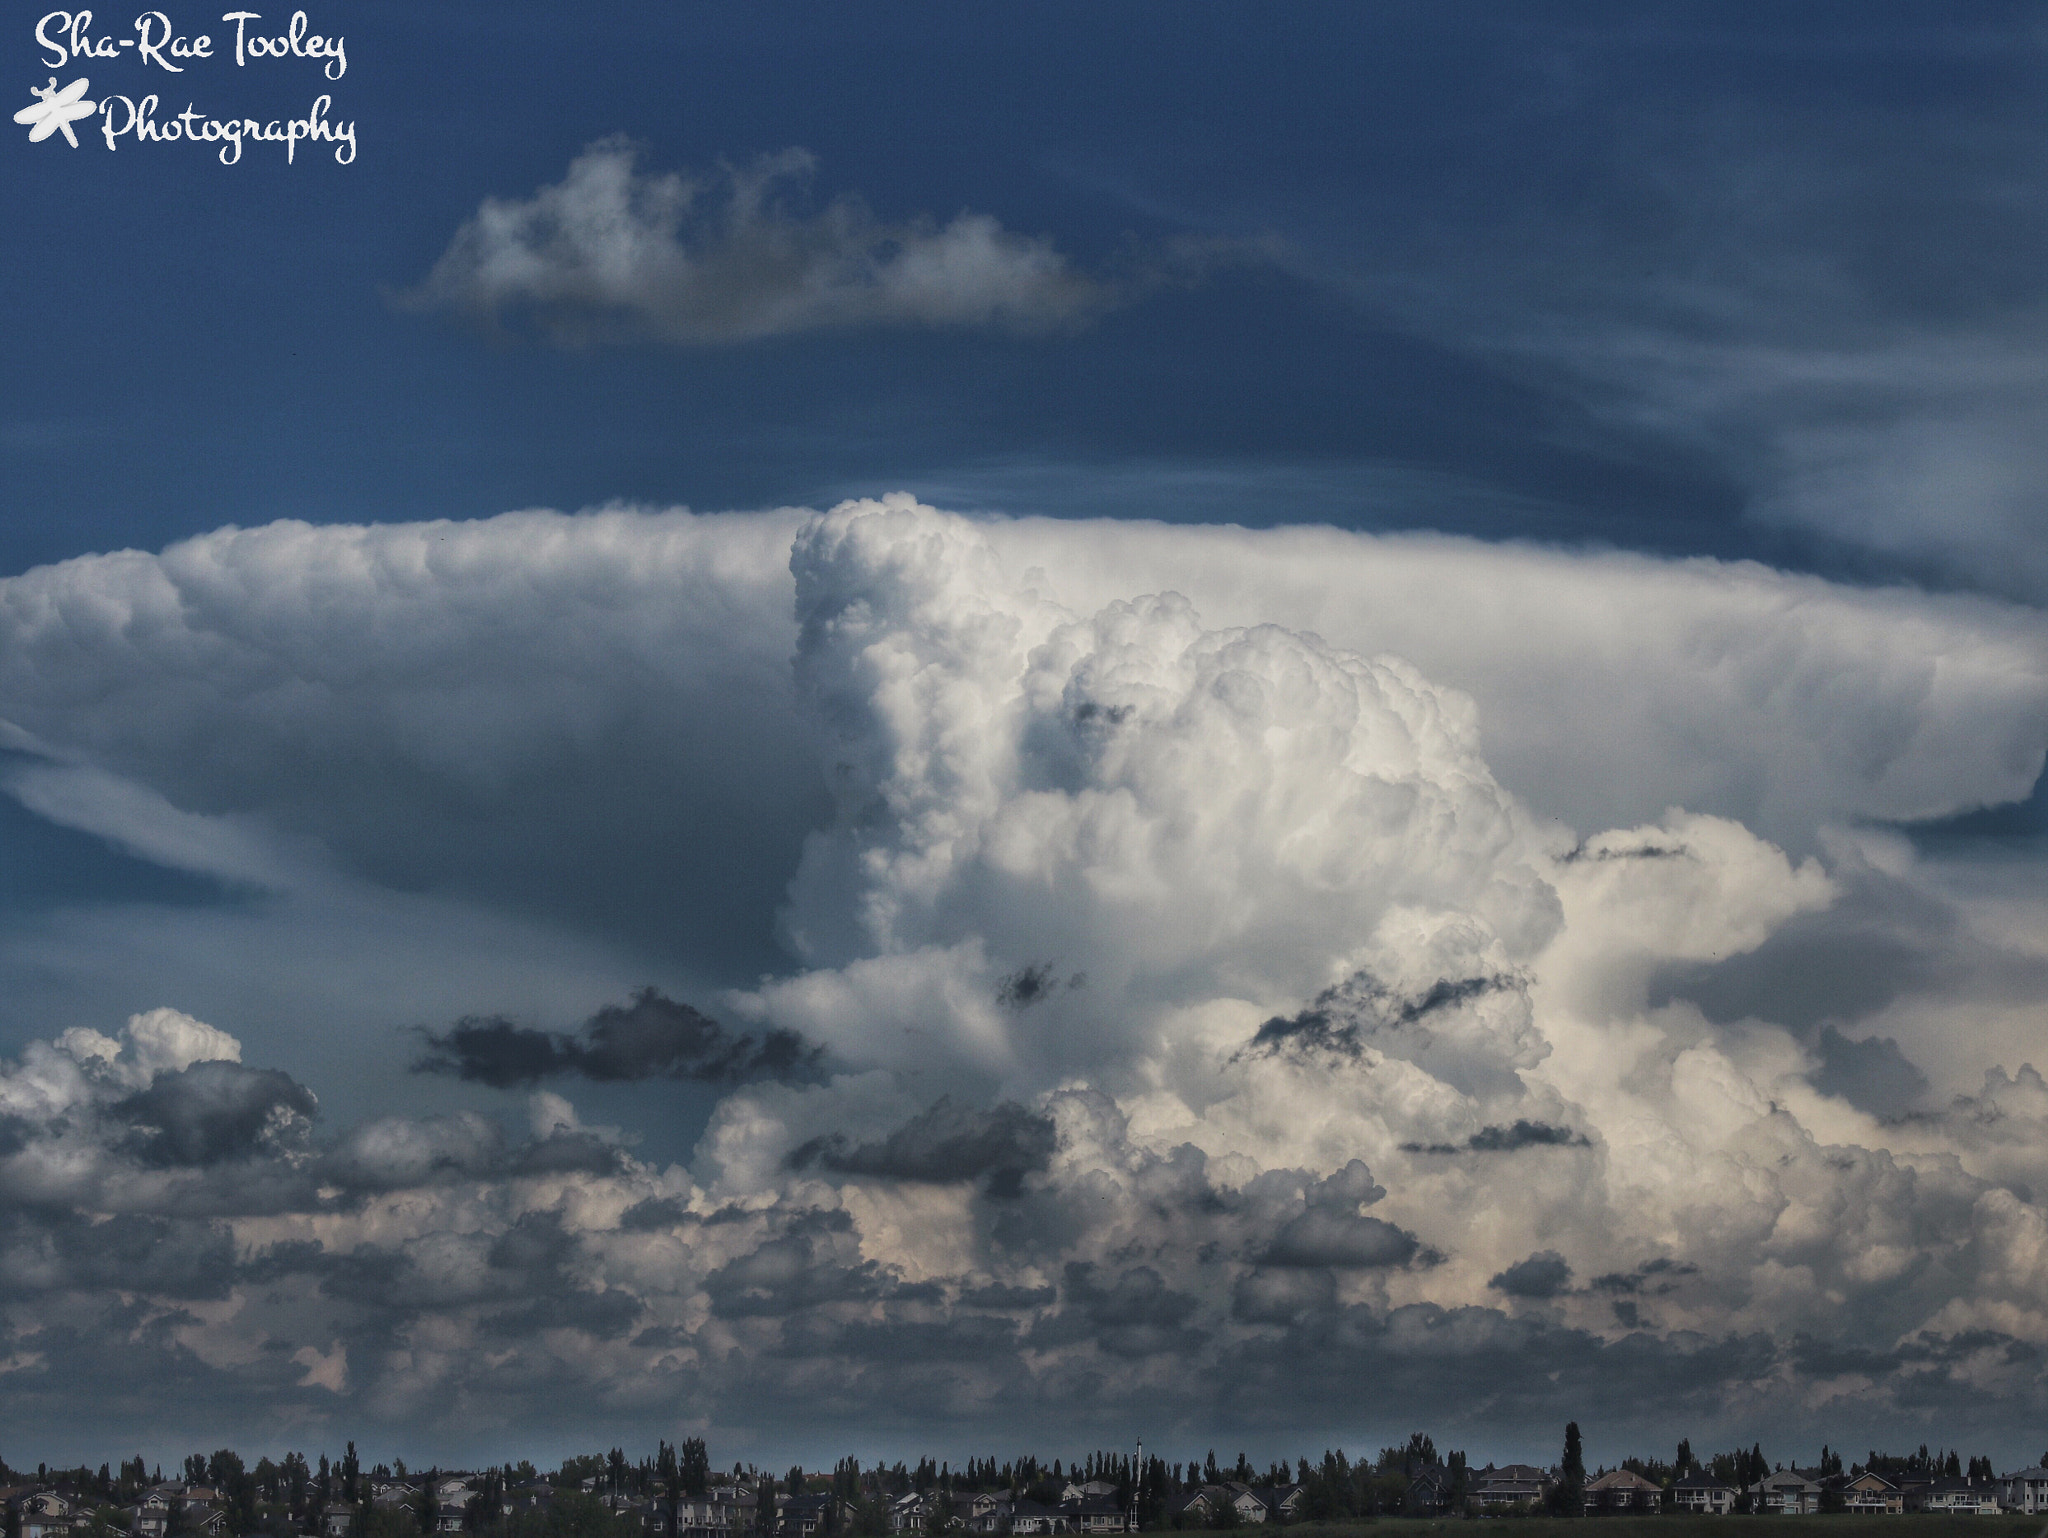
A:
(944, 1143)
(566, 1152)
(1136, 1315)
(1883, 941)
(1609, 850)
(1524, 1134)
(1543, 1275)
(790, 1273)
(1025, 986)
(1338, 1239)
(605, 1315)
(1332, 1232)
(652, 1037)
(68, 1252)
(1006, 1298)
(1346, 1017)
(1872, 1074)
(213, 1112)
(535, 1245)
(1283, 1297)
(1519, 1134)
(654, 1214)
(979, 1339)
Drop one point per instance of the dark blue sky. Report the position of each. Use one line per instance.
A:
(1435, 227)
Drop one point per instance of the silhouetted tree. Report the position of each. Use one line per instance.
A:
(1571, 1484)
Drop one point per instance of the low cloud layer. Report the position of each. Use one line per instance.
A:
(612, 252)
(1178, 1004)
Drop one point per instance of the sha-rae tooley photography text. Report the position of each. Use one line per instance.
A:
(143, 116)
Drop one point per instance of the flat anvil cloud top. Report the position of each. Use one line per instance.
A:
(1264, 982)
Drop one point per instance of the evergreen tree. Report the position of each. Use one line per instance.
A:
(671, 1487)
(1571, 1485)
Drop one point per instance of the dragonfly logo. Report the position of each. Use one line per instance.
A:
(56, 111)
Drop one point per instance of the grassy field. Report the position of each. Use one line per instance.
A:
(1915, 1525)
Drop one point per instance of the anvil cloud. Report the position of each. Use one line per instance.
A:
(1298, 978)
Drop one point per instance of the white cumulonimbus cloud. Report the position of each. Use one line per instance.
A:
(1182, 1004)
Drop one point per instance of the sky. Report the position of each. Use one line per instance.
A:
(881, 730)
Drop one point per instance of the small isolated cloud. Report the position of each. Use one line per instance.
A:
(1026, 986)
(947, 1142)
(614, 253)
(1345, 1018)
(1519, 1134)
(653, 1037)
(1543, 1275)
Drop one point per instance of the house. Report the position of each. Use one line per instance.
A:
(1429, 1493)
(529, 1495)
(981, 1512)
(1914, 1488)
(2026, 1491)
(337, 1521)
(912, 1512)
(1786, 1493)
(152, 1515)
(1701, 1492)
(1283, 1502)
(1206, 1500)
(47, 1514)
(1958, 1497)
(1509, 1485)
(802, 1516)
(719, 1512)
(1101, 1514)
(1871, 1494)
(1028, 1518)
(1194, 1508)
(1623, 1490)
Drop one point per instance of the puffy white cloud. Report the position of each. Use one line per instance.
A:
(611, 252)
(1611, 686)
(1197, 1004)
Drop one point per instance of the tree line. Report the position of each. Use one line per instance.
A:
(608, 1495)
